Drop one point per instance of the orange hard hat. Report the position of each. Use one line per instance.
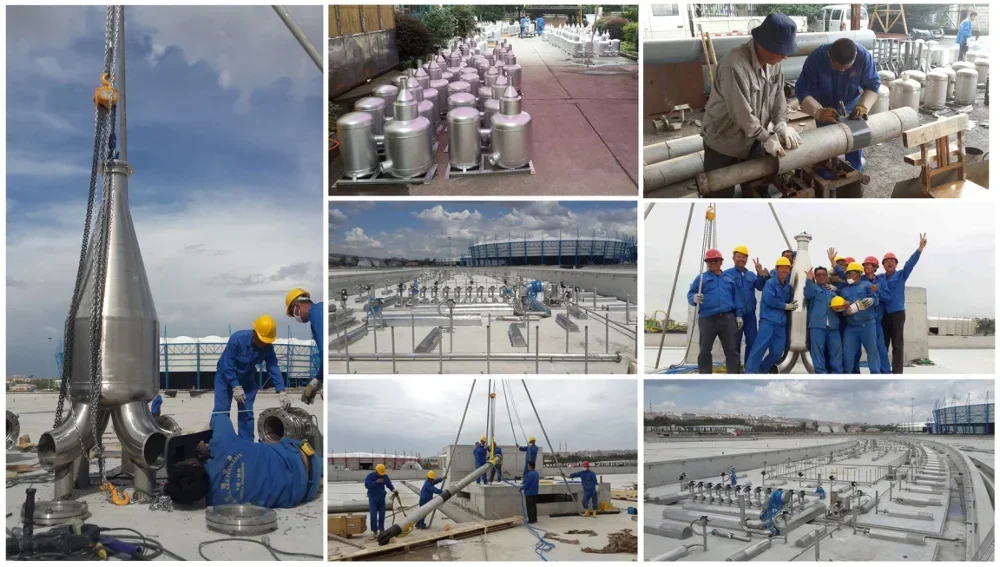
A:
(850, 259)
(713, 254)
(870, 260)
(889, 256)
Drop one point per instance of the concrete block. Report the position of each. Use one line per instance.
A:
(503, 501)
(901, 537)
(668, 528)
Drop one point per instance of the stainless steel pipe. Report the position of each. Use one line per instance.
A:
(671, 149)
(659, 52)
(474, 357)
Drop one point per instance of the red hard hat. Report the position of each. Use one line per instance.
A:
(850, 259)
(870, 260)
(889, 256)
(586, 464)
(713, 254)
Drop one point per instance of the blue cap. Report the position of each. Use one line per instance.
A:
(776, 34)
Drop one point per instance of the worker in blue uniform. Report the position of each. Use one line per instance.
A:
(299, 304)
(860, 312)
(719, 306)
(376, 483)
(589, 482)
(747, 285)
(964, 33)
(531, 453)
(154, 407)
(234, 373)
(497, 471)
(877, 284)
(230, 469)
(775, 303)
(823, 307)
(479, 453)
(842, 72)
(530, 490)
(540, 25)
(524, 25)
(895, 312)
(427, 492)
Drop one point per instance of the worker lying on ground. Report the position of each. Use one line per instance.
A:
(377, 482)
(824, 306)
(479, 454)
(748, 283)
(530, 490)
(860, 314)
(839, 76)
(427, 492)
(747, 96)
(234, 374)
(589, 481)
(895, 311)
(531, 453)
(496, 471)
(775, 303)
(718, 306)
(298, 304)
(231, 469)
(154, 408)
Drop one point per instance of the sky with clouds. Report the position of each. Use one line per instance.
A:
(225, 133)
(432, 229)
(961, 240)
(842, 401)
(422, 415)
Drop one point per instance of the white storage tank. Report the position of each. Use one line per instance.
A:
(937, 90)
(951, 80)
(965, 86)
(905, 92)
(882, 104)
(919, 77)
(983, 67)
(887, 77)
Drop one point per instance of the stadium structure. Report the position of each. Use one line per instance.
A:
(967, 419)
(553, 251)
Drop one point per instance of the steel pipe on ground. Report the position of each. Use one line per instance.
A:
(473, 357)
(670, 149)
(659, 52)
(667, 173)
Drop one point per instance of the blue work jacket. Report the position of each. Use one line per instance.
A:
(720, 295)
(773, 300)
(821, 316)
(530, 485)
(856, 292)
(428, 490)
(377, 491)
(587, 478)
(964, 32)
(239, 361)
(829, 87)
(747, 286)
(532, 452)
(897, 284)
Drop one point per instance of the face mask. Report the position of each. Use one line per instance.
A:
(852, 281)
(298, 319)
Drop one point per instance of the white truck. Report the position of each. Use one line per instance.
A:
(681, 21)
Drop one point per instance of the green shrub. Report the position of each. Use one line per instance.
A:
(613, 25)
(465, 21)
(413, 39)
(632, 15)
(441, 24)
(630, 33)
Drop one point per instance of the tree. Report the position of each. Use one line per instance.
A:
(493, 13)
(810, 11)
(413, 39)
(465, 21)
(440, 23)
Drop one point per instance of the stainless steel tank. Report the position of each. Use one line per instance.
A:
(423, 79)
(464, 148)
(454, 60)
(886, 77)
(400, 81)
(959, 65)
(509, 58)
(499, 86)
(937, 90)
(882, 104)
(966, 81)
(462, 99)
(434, 70)
(919, 77)
(947, 70)
(407, 148)
(441, 86)
(455, 71)
(388, 94)
(510, 133)
(797, 277)
(358, 151)
(491, 106)
(904, 92)
(983, 67)
(513, 72)
(482, 65)
(415, 89)
(432, 96)
(376, 107)
(473, 80)
(459, 87)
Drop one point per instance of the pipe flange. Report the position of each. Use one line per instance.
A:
(13, 429)
(241, 519)
(168, 424)
(275, 424)
(58, 512)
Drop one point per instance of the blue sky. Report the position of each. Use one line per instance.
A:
(225, 133)
(422, 229)
(874, 401)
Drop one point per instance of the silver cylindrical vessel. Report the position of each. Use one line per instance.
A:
(414, 87)
(464, 148)
(407, 148)
(966, 81)
(388, 94)
(448, 76)
(983, 67)
(882, 104)
(947, 70)
(499, 86)
(432, 96)
(358, 152)
(459, 87)
(473, 80)
(491, 106)
(434, 70)
(510, 133)
(513, 73)
(441, 86)
(376, 107)
(509, 58)
(462, 99)
(904, 92)
(919, 77)
(937, 90)
(887, 77)
(423, 79)
(959, 65)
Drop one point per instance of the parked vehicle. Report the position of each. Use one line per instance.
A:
(837, 17)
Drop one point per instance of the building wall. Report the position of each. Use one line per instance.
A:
(976, 419)
(362, 45)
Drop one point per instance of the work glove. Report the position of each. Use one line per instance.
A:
(739, 323)
(860, 112)
(830, 287)
(867, 302)
(309, 394)
(699, 298)
(239, 395)
(283, 400)
(773, 146)
(827, 116)
(788, 136)
(792, 306)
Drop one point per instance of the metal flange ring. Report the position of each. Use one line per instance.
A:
(241, 519)
(274, 424)
(57, 512)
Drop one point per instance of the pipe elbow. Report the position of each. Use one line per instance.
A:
(64, 444)
(143, 440)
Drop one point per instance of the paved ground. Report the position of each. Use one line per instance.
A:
(675, 449)
(181, 530)
(585, 123)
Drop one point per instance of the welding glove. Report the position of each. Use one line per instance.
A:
(739, 323)
(283, 400)
(827, 116)
(773, 146)
(309, 394)
(859, 113)
(699, 298)
(788, 136)
(792, 306)
(239, 395)
(867, 302)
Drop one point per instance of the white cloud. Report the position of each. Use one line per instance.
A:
(20, 163)
(336, 218)
(356, 238)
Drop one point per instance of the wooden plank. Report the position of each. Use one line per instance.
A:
(370, 14)
(680, 83)
(350, 19)
(914, 158)
(388, 18)
(959, 189)
(405, 544)
(631, 494)
(935, 130)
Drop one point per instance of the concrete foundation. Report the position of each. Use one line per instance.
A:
(464, 463)
(503, 500)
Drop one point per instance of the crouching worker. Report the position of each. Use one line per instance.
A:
(427, 492)
(230, 469)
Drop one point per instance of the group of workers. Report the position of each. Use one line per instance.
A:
(850, 309)
(524, 22)
(839, 81)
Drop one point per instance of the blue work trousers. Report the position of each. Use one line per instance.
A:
(826, 350)
(224, 402)
(589, 499)
(749, 334)
(770, 338)
(885, 367)
(858, 336)
(376, 510)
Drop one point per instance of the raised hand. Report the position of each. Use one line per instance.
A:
(923, 241)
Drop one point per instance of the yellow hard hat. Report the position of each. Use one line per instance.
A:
(266, 329)
(838, 301)
(742, 250)
(854, 267)
(380, 468)
(431, 475)
(482, 439)
(838, 259)
(531, 439)
(291, 296)
(782, 262)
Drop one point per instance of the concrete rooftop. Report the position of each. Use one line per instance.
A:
(299, 529)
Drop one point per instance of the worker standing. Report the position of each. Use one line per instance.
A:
(824, 307)
(877, 283)
(747, 96)
(540, 25)
(479, 454)
(589, 482)
(964, 33)
(299, 304)
(747, 285)
(234, 373)
(719, 308)
(427, 492)
(835, 74)
(154, 408)
(524, 24)
(860, 314)
(530, 490)
(775, 303)
(531, 453)
(895, 312)
(377, 482)
(497, 470)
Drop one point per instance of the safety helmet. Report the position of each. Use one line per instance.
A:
(431, 475)
(850, 259)
(782, 262)
(482, 439)
(713, 254)
(839, 259)
(380, 468)
(742, 250)
(586, 464)
(870, 260)
(838, 301)
(889, 256)
(266, 329)
(854, 267)
(293, 296)
(531, 439)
